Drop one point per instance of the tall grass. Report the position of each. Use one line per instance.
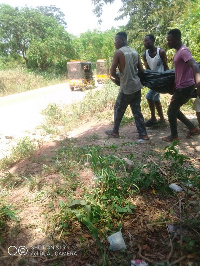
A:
(20, 80)
(23, 149)
(97, 104)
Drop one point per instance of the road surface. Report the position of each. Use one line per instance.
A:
(22, 112)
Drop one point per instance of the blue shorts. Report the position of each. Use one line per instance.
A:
(153, 95)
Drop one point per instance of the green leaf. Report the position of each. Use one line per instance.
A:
(77, 203)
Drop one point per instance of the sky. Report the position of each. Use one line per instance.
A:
(78, 13)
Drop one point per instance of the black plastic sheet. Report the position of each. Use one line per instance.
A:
(162, 82)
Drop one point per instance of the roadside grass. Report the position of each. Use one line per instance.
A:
(7, 214)
(79, 209)
(97, 104)
(94, 192)
(20, 80)
(24, 148)
(109, 198)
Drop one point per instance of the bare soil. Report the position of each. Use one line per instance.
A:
(143, 238)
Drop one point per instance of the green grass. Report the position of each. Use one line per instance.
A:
(24, 148)
(97, 105)
(103, 207)
(115, 197)
(20, 80)
(7, 214)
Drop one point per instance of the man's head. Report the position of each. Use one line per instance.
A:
(174, 38)
(149, 41)
(120, 39)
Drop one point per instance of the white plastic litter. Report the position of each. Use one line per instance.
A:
(175, 187)
(116, 241)
(141, 141)
(172, 228)
(138, 263)
(97, 177)
(129, 163)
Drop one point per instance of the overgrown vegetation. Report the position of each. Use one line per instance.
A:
(20, 80)
(103, 206)
(112, 196)
(87, 190)
(48, 46)
(23, 149)
(71, 200)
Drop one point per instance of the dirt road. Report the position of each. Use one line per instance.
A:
(21, 113)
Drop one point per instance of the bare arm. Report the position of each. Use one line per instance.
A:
(118, 61)
(140, 66)
(196, 72)
(163, 56)
(145, 61)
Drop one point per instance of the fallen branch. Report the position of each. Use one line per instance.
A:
(170, 253)
(162, 171)
(178, 260)
(143, 257)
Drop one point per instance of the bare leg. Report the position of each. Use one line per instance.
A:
(152, 109)
(159, 109)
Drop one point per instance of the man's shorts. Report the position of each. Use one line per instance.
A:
(196, 105)
(153, 95)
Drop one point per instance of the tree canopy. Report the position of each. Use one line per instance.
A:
(38, 35)
(94, 45)
(157, 17)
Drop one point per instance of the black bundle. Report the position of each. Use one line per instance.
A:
(162, 82)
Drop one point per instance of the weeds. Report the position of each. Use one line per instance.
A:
(82, 211)
(94, 105)
(6, 214)
(24, 148)
(19, 80)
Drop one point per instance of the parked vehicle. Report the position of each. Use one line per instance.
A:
(102, 70)
(79, 74)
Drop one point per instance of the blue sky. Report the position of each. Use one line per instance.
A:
(78, 13)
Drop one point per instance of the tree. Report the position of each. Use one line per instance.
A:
(22, 30)
(189, 24)
(146, 17)
(53, 11)
(51, 53)
(94, 45)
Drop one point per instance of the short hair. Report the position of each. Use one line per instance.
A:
(175, 33)
(122, 34)
(151, 37)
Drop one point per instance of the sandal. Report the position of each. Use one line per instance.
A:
(170, 138)
(144, 137)
(193, 132)
(111, 134)
(150, 123)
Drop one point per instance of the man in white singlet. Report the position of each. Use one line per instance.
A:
(155, 59)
